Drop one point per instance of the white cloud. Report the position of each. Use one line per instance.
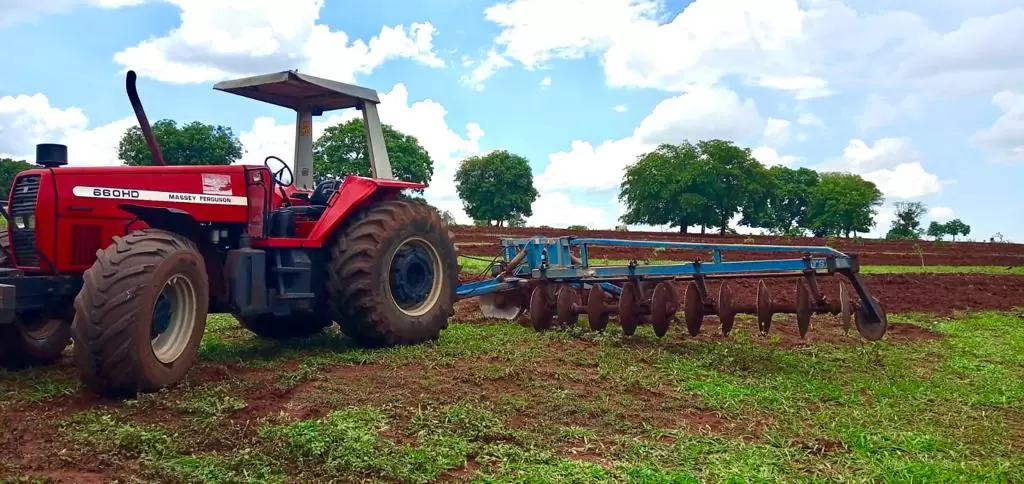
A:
(880, 112)
(1006, 135)
(216, 40)
(557, 209)
(620, 108)
(776, 132)
(802, 87)
(701, 113)
(28, 120)
(484, 70)
(940, 214)
(893, 164)
(769, 157)
(809, 119)
(17, 11)
(425, 120)
(546, 81)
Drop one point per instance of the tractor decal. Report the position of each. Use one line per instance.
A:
(156, 196)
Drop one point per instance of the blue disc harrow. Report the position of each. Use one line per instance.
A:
(551, 282)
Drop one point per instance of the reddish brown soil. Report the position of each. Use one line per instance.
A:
(483, 241)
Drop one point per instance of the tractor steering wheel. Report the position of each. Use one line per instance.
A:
(279, 177)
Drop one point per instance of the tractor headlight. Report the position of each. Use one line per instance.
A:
(25, 221)
(31, 221)
(19, 222)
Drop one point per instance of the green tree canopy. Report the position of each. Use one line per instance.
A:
(842, 204)
(496, 187)
(341, 150)
(8, 170)
(688, 184)
(907, 224)
(785, 209)
(936, 230)
(194, 143)
(957, 227)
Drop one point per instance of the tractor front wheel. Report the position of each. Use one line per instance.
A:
(36, 338)
(392, 275)
(140, 314)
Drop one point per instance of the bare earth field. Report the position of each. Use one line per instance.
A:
(941, 398)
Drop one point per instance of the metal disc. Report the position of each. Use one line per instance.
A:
(764, 308)
(503, 305)
(567, 298)
(540, 311)
(803, 308)
(597, 313)
(726, 311)
(629, 316)
(870, 329)
(663, 308)
(845, 307)
(693, 309)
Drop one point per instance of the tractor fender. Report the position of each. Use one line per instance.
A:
(355, 192)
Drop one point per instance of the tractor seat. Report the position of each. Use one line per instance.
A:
(318, 200)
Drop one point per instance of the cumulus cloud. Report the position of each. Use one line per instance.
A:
(27, 120)
(940, 214)
(769, 157)
(880, 112)
(556, 209)
(216, 40)
(15, 11)
(701, 113)
(893, 164)
(776, 132)
(1006, 136)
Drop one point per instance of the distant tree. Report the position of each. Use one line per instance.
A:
(957, 227)
(496, 187)
(448, 217)
(194, 143)
(735, 179)
(517, 221)
(907, 224)
(785, 209)
(667, 186)
(8, 170)
(341, 150)
(577, 227)
(936, 230)
(842, 204)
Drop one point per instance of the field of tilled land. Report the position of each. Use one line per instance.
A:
(939, 399)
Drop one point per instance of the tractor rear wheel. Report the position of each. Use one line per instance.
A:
(36, 338)
(392, 275)
(141, 313)
(296, 325)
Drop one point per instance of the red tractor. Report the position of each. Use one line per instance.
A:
(127, 261)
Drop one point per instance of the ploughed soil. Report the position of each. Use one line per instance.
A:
(483, 241)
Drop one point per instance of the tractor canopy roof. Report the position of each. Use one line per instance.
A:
(300, 92)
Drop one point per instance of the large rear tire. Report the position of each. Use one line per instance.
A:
(392, 275)
(141, 313)
(297, 325)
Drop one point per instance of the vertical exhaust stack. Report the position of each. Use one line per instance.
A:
(140, 114)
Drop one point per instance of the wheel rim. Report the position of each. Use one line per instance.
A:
(415, 276)
(173, 318)
(40, 328)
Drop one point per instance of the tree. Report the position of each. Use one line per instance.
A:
(907, 224)
(785, 211)
(191, 144)
(842, 204)
(936, 230)
(957, 227)
(342, 150)
(8, 170)
(496, 187)
(666, 187)
(448, 217)
(735, 179)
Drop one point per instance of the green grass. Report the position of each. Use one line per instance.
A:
(499, 403)
(480, 265)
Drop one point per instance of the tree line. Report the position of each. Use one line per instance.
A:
(706, 184)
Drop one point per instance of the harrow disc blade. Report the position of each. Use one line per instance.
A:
(726, 311)
(869, 328)
(663, 308)
(764, 307)
(693, 309)
(540, 309)
(565, 306)
(597, 314)
(845, 307)
(629, 314)
(503, 305)
(803, 308)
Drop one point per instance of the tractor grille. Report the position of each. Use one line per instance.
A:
(23, 203)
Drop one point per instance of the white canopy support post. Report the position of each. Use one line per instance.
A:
(380, 164)
(304, 150)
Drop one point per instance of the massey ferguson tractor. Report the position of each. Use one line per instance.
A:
(127, 261)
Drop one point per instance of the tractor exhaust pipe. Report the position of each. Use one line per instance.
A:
(140, 114)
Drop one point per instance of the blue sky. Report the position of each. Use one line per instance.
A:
(923, 98)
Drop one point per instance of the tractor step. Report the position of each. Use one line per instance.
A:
(296, 295)
(289, 270)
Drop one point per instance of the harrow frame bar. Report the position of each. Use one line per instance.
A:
(551, 259)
